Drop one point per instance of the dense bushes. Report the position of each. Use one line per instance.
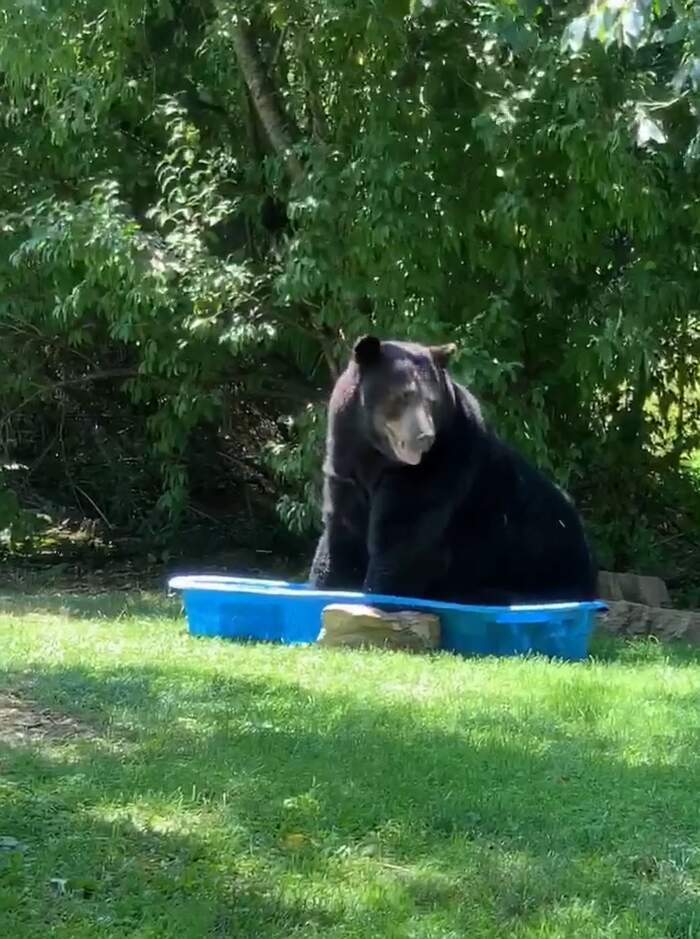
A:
(204, 202)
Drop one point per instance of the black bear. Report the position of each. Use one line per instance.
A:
(422, 499)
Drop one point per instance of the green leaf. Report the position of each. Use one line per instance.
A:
(649, 131)
(632, 22)
(398, 8)
(575, 33)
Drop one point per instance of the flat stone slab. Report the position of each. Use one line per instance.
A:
(651, 591)
(355, 626)
(637, 619)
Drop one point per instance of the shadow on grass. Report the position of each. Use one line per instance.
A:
(81, 876)
(175, 814)
(91, 606)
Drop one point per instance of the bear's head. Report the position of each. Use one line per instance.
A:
(404, 395)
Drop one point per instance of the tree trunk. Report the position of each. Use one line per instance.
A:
(277, 125)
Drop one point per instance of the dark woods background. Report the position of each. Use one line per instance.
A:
(203, 203)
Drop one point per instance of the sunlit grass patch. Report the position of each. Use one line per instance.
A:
(204, 788)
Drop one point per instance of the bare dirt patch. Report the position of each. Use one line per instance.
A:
(22, 721)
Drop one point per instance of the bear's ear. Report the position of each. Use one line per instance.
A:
(441, 354)
(367, 351)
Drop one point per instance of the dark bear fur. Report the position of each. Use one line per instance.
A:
(422, 499)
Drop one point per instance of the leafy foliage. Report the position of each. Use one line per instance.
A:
(175, 288)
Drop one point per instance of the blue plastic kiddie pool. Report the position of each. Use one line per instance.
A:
(278, 611)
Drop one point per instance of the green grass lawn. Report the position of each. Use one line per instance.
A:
(156, 785)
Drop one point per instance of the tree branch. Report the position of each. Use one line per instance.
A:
(66, 382)
(326, 342)
(278, 127)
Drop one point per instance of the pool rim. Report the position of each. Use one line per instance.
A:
(264, 587)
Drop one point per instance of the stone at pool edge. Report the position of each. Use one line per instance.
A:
(634, 588)
(353, 626)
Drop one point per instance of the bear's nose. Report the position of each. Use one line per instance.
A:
(426, 440)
